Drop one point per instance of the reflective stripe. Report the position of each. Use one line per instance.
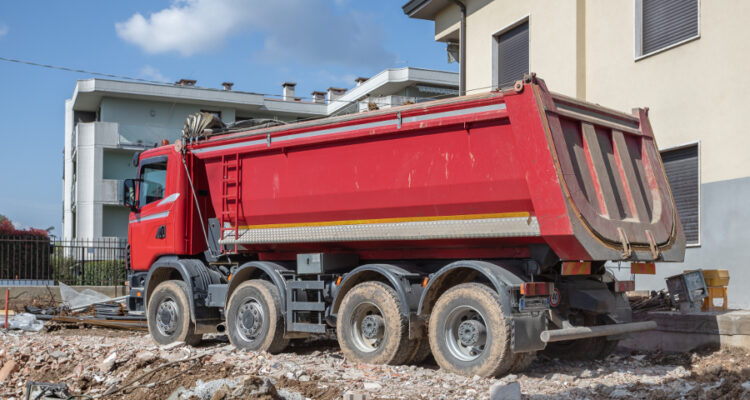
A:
(169, 199)
(576, 268)
(397, 122)
(643, 268)
(150, 217)
(413, 230)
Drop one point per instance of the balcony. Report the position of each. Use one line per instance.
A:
(111, 191)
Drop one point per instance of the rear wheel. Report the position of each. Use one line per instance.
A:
(421, 350)
(468, 332)
(254, 319)
(168, 315)
(370, 326)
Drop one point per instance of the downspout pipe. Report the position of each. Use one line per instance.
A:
(462, 49)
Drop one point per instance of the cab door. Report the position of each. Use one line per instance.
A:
(151, 232)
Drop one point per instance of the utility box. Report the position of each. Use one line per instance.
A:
(325, 263)
(687, 290)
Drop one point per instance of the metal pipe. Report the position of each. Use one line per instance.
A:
(583, 332)
(462, 50)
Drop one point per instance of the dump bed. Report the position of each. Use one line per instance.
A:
(482, 176)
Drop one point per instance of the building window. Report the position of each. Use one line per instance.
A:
(683, 172)
(510, 54)
(663, 24)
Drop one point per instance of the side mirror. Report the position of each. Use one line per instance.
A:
(128, 194)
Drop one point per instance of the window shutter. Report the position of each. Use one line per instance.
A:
(513, 55)
(682, 167)
(666, 22)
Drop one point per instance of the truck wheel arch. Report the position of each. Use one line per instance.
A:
(391, 275)
(500, 277)
(251, 270)
(193, 272)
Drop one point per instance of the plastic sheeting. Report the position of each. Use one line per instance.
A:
(24, 322)
(75, 299)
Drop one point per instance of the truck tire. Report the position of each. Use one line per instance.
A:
(253, 317)
(468, 332)
(523, 361)
(420, 353)
(371, 328)
(168, 315)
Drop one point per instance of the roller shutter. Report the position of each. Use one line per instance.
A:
(682, 169)
(666, 22)
(513, 55)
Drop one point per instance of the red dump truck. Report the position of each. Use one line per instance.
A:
(475, 229)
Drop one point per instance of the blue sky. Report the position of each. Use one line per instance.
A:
(257, 44)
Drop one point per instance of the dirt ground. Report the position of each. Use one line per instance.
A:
(112, 364)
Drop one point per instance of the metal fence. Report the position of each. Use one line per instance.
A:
(37, 260)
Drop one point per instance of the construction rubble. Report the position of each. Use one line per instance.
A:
(117, 364)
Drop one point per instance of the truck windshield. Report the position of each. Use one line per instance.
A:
(153, 182)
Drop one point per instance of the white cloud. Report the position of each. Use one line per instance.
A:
(187, 26)
(3, 29)
(305, 31)
(154, 74)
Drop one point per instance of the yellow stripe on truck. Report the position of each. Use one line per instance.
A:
(390, 220)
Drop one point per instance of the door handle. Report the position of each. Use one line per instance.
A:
(161, 233)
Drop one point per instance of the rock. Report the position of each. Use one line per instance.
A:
(255, 386)
(144, 358)
(476, 378)
(221, 394)
(620, 394)
(58, 354)
(8, 369)
(354, 396)
(745, 386)
(304, 378)
(109, 363)
(372, 386)
(171, 345)
(501, 391)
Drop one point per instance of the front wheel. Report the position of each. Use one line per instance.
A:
(168, 315)
(469, 334)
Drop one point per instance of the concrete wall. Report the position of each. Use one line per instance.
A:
(724, 237)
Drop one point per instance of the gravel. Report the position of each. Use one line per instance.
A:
(129, 365)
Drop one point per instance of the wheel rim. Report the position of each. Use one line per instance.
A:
(166, 317)
(465, 333)
(367, 327)
(249, 320)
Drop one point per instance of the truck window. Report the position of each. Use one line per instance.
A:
(153, 182)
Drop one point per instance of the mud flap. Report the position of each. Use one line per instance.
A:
(525, 331)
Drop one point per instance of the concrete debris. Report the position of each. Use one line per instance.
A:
(129, 365)
(501, 391)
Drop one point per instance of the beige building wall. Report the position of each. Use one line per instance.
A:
(696, 91)
(554, 45)
(585, 48)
